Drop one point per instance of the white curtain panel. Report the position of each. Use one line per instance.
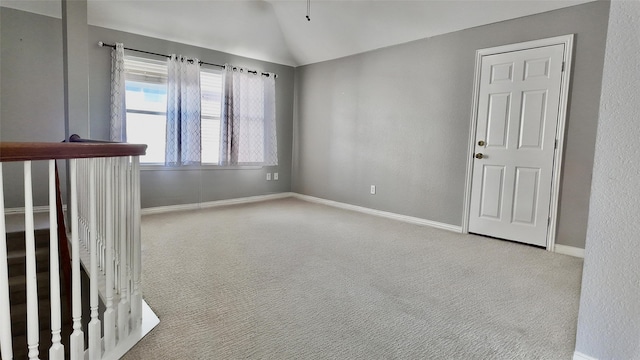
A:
(118, 128)
(248, 126)
(183, 112)
(270, 138)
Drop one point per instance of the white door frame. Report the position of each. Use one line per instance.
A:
(567, 40)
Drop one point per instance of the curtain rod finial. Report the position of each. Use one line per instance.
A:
(100, 43)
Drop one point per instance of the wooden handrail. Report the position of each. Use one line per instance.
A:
(24, 151)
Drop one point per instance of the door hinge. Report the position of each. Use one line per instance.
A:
(563, 66)
(548, 221)
(555, 145)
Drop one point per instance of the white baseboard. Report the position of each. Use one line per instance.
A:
(36, 209)
(211, 204)
(252, 199)
(580, 356)
(385, 214)
(569, 250)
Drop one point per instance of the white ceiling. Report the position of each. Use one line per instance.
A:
(277, 31)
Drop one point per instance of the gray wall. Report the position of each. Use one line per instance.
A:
(171, 187)
(609, 319)
(33, 109)
(399, 118)
(31, 93)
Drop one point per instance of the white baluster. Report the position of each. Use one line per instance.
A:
(123, 306)
(80, 197)
(116, 225)
(6, 349)
(83, 199)
(33, 329)
(103, 216)
(130, 231)
(95, 336)
(99, 206)
(85, 203)
(77, 337)
(136, 298)
(105, 184)
(56, 352)
(109, 314)
(101, 211)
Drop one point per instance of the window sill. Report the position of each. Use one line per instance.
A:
(160, 167)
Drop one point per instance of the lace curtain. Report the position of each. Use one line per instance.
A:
(248, 121)
(183, 112)
(118, 128)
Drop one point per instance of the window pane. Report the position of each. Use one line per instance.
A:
(211, 92)
(148, 129)
(146, 100)
(210, 141)
(146, 96)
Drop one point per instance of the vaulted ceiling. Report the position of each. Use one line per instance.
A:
(277, 30)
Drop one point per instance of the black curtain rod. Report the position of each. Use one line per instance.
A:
(101, 44)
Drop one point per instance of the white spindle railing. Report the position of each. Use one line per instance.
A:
(56, 352)
(136, 305)
(6, 348)
(33, 328)
(95, 349)
(123, 253)
(109, 259)
(110, 312)
(77, 336)
(105, 240)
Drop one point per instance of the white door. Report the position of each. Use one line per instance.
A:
(518, 107)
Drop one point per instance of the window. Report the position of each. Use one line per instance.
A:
(146, 101)
(211, 106)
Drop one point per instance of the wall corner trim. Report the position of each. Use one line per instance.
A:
(385, 214)
(211, 204)
(569, 250)
(580, 356)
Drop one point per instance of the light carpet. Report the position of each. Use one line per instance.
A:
(288, 279)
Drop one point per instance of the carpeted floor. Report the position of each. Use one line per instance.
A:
(287, 279)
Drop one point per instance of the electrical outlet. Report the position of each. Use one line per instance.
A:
(373, 189)
(275, 176)
(268, 176)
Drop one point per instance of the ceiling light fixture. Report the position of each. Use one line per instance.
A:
(308, 10)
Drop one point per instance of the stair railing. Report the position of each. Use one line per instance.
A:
(105, 237)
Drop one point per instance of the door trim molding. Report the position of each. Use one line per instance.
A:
(567, 41)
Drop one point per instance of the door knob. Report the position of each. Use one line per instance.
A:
(481, 143)
(479, 156)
